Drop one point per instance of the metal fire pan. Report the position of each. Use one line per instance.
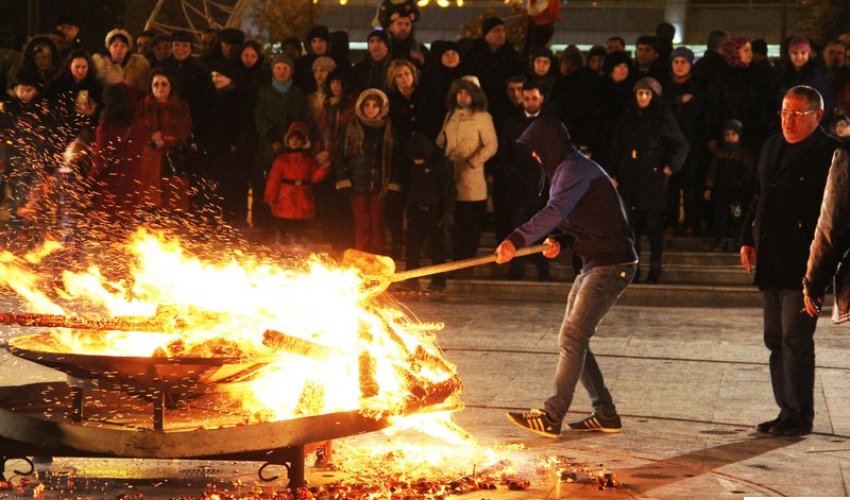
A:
(179, 375)
(40, 415)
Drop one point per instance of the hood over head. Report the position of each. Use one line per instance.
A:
(550, 139)
(298, 128)
(419, 147)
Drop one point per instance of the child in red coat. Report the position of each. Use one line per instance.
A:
(289, 189)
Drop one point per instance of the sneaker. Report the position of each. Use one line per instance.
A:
(536, 421)
(596, 422)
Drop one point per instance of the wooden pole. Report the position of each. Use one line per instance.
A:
(460, 264)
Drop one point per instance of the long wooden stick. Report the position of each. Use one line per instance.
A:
(460, 264)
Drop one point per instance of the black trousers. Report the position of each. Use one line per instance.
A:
(424, 233)
(789, 335)
(469, 218)
(651, 224)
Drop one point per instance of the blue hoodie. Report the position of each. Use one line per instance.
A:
(583, 203)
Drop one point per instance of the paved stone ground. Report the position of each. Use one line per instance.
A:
(689, 383)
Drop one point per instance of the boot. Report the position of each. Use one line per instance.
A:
(654, 272)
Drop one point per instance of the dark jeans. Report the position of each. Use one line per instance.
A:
(651, 224)
(789, 335)
(594, 292)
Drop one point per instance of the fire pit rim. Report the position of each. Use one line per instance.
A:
(43, 355)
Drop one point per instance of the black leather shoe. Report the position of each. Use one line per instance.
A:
(790, 428)
(765, 427)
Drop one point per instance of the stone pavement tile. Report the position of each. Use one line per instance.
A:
(744, 373)
(668, 370)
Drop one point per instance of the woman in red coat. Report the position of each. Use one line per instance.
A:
(116, 176)
(289, 189)
(168, 117)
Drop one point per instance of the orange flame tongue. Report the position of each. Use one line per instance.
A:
(344, 351)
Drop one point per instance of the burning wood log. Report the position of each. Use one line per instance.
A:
(295, 345)
(125, 323)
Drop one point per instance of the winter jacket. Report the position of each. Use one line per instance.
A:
(289, 189)
(431, 184)
(368, 160)
(783, 214)
(582, 203)
(134, 73)
(644, 142)
(469, 139)
(275, 111)
(828, 256)
(174, 120)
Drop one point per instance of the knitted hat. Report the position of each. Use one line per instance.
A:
(798, 42)
(283, 58)
(318, 32)
(225, 67)
(683, 52)
(489, 23)
(733, 124)
(232, 36)
(324, 62)
(121, 34)
(182, 36)
(380, 34)
(615, 59)
(648, 83)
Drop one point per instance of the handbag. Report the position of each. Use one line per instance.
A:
(185, 159)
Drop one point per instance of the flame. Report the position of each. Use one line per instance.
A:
(342, 348)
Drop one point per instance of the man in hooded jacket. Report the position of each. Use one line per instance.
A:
(584, 206)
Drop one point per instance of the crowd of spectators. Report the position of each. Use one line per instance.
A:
(410, 150)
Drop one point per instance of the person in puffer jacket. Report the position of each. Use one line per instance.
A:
(367, 168)
(469, 139)
(289, 189)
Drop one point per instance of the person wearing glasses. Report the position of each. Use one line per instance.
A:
(778, 231)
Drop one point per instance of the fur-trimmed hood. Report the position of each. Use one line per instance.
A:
(479, 98)
(385, 106)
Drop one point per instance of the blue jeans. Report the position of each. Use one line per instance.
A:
(789, 335)
(593, 293)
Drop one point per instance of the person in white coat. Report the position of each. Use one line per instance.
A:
(469, 140)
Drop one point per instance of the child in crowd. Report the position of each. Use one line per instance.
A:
(289, 189)
(431, 193)
(729, 183)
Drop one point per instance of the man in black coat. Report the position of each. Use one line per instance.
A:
(193, 76)
(494, 60)
(524, 185)
(777, 235)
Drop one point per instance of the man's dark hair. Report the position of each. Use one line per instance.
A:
(515, 79)
(619, 39)
(715, 39)
(812, 96)
(531, 85)
(148, 33)
(649, 40)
